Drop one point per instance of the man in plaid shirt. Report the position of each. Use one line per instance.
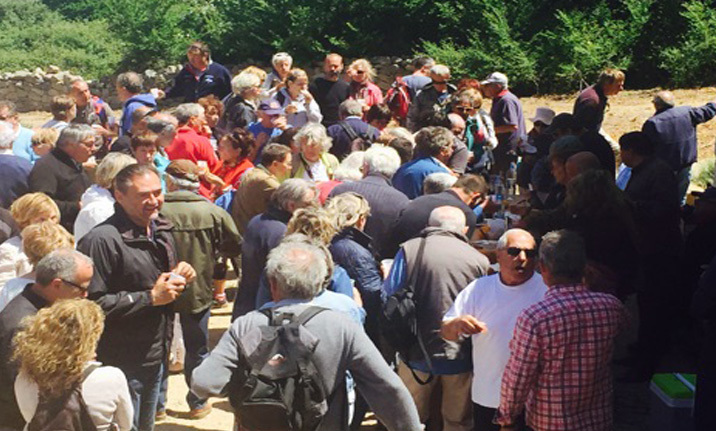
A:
(559, 368)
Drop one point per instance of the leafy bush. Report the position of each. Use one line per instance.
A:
(32, 35)
(692, 60)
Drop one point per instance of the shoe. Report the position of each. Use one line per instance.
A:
(176, 367)
(200, 413)
(160, 416)
(220, 300)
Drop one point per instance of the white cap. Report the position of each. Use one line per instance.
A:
(543, 115)
(496, 78)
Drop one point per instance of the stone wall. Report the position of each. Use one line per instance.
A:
(33, 90)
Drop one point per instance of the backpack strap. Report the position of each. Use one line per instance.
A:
(411, 279)
(350, 131)
(309, 314)
(88, 370)
(280, 97)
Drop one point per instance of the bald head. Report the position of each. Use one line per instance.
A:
(457, 124)
(448, 218)
(580, 163)
(664, 100)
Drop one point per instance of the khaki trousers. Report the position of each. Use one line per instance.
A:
(455, 404)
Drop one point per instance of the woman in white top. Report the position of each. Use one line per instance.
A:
(314, 162)
(97, 201)
(63, 110)
(54, 349)
(29, 209)
(298, 103)
(38, 240)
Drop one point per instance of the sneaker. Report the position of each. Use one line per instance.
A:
(200, 413)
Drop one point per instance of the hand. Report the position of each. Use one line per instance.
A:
(157, 93)
(185, 270)
(280, 122)
(460, 326)
(291, 109)
(307, 95)
(357, 298)
(214, 180)
(166, 289)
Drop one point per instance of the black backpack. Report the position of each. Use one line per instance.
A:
(359, 142)
(67, 412)
(399, 323)
(278, 386)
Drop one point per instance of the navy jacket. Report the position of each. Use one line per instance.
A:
(215, 79)
(14, 172)
(342, 143)
(673, 130)
(385, 202)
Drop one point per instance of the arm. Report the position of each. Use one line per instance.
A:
(489, 128)
(396, 278)
(520, 375)
(124, 414)
(228, 238)
(703, 114)
(313, 111)
(212, 377)
(506, 128)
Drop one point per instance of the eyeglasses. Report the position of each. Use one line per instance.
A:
(515, 251)
(75, 285)
(466, 108)
(359, 72)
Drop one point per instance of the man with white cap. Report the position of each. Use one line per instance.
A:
(506, 113)
(537, 146)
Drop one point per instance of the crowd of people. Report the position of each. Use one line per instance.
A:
(509, 253)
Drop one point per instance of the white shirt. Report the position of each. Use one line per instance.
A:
(13, 261)
(97, 206)
(318, 171)
(105, 392)
(498, 305)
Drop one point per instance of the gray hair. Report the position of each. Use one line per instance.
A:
(244, 81)
(297, 268)
(314, 132)
(62, 263)
(159, 125)
(74, 134)
(293, 190)
(431, 140)
(7, 135)
(440, 70)
(347, 209)
(11, 107)
(130, 81)
(502, 242)
(564, 253)
(350, 167)
(186, 111)
(448, 218)
(664, 99)
(109, 167)
(438, 182)
(400, 132)
(281, 57)
(350, 108)
(383, 160)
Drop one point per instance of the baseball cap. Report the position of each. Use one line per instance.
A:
(271, 107)
(543, 115)
(496, 78)
(183, 169)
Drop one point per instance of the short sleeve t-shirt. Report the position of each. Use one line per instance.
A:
(498, 305)
(507, 110)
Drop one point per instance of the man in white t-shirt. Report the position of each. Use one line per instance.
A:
(487, 310)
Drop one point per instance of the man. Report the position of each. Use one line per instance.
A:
(592, 102)
(420, 77)
(270, 124)
(559, 371)
(467, 191)
(442, 263)
(263, 233)
(62, 274)
(433, 145)
(202, 232)
(386, 203)
(137, 278)
(431, 98)
(486, 311)
(91, 109)
(672, 129)
(129, 90)
(438, 183)
(566, 124)
(22, 145)
(258, 185)
(329, 90)
(295, 273)
(240, 105)
(14, 170)
(200, 77)
(60, 174)
(581, 162)
(351, 114)
(506, 113)
(653, 190)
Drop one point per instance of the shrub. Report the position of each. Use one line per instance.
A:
(692, 60)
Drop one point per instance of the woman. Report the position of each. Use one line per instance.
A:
(298, 103)
(362, 87)
(38, 240)
(281, 62)
(43, 141)
(213, 110)
(29, 209)
(97, 201)
(234, 161)
(314, 162)
(56, 352)
(240, 106)
(480, 135)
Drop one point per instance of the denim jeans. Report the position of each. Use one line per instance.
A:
(683, 179)
(195, 328)
(144, 384)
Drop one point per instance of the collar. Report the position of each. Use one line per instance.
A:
(36, 300)
(503, 92)
(284, 303)
(562, 289)
(437, 231)
(377, 178)
(278, 214)
(183, 196)
(131, 232)
(355, 117)
(66, 159)
(356, 235)
(7, 152)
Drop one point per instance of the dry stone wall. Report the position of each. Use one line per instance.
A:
(33, 90)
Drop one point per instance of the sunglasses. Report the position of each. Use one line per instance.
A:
(359, 72)
(515, 251)
(75, 285)
(466, 108)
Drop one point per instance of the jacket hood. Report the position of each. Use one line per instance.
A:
(145, 98)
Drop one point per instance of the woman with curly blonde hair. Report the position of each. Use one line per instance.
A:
(56, 352)
(362, 87)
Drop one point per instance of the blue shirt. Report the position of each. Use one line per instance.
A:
(22, 146)
(327, 299)
(409, 177)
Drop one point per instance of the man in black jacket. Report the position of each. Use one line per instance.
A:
(60, 174)
(136, 278)
(62, 274)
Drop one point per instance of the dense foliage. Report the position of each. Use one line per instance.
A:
(544, 45)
